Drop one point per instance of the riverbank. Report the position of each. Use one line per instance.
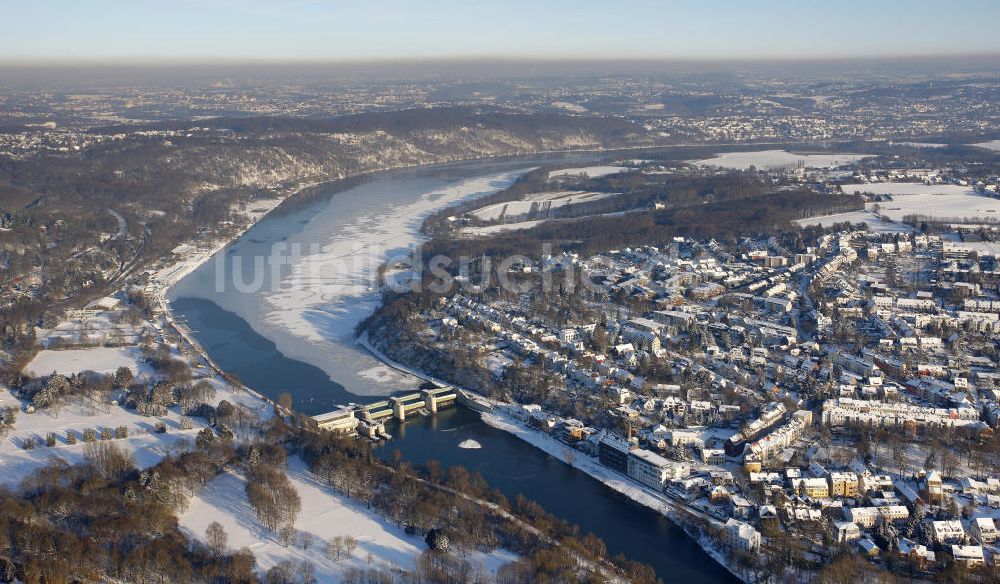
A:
(193, 262)
(618, 482)
(639, 493)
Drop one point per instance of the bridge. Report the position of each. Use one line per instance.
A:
(368, 419)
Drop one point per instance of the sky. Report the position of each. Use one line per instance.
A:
(332, 30)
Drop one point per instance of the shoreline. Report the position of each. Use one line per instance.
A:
(170, 274)
(619, 483)
(167, 276)
(177, 270)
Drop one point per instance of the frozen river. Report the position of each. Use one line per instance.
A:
(291, 330)
(279, 306)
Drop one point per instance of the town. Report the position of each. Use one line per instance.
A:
(790, 395)
(501, 320)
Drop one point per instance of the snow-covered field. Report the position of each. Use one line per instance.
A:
(101, 328)
(568, 106)
(68, 361)
(589, 171)
(538, 202)
(776, 159)
(938, 201)
(875, 224)
(147, 449)
(311, 311)
(329, 292)
(907, 188)
(325, 514)
(499, 228)
(991, 145)
(80, 414)
(919, 144)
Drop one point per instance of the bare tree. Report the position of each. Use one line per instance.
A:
(108, 461)
(216, 539)
(335, 548)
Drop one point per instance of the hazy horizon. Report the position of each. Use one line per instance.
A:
(79, 74)
(186, 31)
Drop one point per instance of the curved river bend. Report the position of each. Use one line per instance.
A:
(289, 329)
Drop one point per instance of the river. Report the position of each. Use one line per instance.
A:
(289, 329)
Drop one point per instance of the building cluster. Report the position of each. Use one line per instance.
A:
(730, 378)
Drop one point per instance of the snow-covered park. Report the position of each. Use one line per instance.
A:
(537, 202)
(596, 171)
(953, 202)
(778, 159)
(325, 515)
(69, 361)
(874, 222)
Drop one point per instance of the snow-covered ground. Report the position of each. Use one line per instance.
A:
(311, 308)
(938, 201)
(79, 414)
(325, 514)
(907, 189)
(777, 159)
(991, 145)
(631, 489)
(569, 106)
(499, 228)
(102, 328)
(596, 171)
(537, 202)
(919, 144)
(69, 361)
(875, 224)
(146, 448)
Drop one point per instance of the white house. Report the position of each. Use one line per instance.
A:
(653, 470)
(742, 536)
(949, 531)
(984, 530)
(847, 531)
(970, 555)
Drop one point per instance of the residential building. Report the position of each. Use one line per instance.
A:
(742, 536)
(864, 517)
(612, 451)
(816, 488)
(846, 531)
(984, 530)
(969, 555)
(948, 531)
(653, 470)
(844, 484)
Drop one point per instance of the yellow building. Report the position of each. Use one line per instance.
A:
(844, 484)
(814, 488)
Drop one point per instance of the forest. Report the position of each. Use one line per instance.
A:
(755, 213)
(77, 223)
(107, 519)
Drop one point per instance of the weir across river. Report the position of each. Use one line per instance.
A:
(367, 420)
